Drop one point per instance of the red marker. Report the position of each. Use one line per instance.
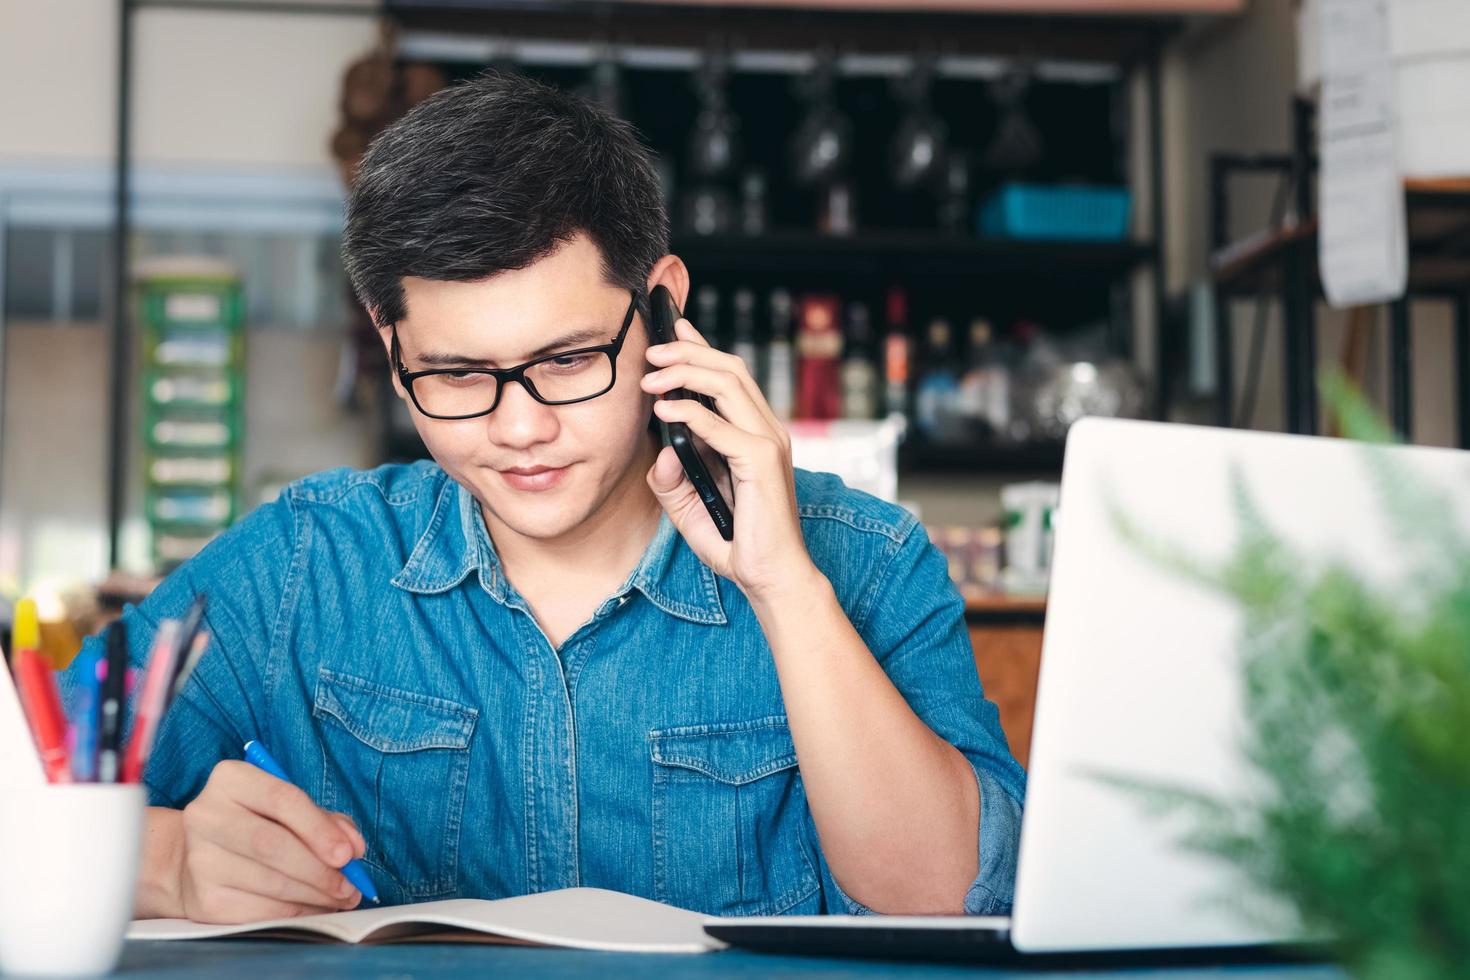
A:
(152, 700)
(37, 689)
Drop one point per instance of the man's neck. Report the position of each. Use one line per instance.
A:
(600, 552)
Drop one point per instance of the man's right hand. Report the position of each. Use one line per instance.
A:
(249, 847)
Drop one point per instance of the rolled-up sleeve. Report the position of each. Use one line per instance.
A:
(912, 619)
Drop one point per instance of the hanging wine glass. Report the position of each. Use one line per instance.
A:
(822, 149)
(714, 146)
(1017, 143)
(919, 144)
(822, 145)
(605, 83)
(714, 149)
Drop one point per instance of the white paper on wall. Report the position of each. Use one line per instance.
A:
(1362, 248)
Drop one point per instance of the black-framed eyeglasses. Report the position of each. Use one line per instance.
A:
(562, 378)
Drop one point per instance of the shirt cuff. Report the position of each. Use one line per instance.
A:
(1000, 838)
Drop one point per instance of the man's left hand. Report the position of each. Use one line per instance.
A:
(768, 554)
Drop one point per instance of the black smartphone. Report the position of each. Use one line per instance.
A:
(706, 469)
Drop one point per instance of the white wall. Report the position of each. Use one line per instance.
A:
(209, 86)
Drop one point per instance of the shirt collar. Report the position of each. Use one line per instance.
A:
(456, 543)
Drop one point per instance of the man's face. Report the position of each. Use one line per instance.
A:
(541, 470)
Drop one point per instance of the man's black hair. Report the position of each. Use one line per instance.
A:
(491, 175)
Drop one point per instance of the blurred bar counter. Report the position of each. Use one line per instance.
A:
(1005, 633)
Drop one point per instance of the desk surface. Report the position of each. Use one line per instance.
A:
(258, 959)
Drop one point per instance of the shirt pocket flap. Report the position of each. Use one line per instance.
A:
(392, 720)
(731, 752)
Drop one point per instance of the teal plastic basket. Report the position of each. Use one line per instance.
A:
(1034, 211)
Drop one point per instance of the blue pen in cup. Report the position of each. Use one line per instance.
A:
(353, 871)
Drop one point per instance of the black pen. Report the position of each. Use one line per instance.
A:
(185, 652)
(114, 696)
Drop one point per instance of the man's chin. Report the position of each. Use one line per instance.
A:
(543, 520)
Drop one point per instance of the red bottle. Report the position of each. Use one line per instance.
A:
(819, 354)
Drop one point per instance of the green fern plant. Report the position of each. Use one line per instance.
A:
(1358, 708)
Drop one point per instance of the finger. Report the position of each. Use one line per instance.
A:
(700, 354)
(231, 870)
(731, 397)
(359, 847)
(266, 842)
(692, 352)
(279, 801)
(731, 441)
(229, 906)
(684, 329)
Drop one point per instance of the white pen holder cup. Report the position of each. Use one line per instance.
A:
(68, 866)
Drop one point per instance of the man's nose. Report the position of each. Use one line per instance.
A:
(520, 420)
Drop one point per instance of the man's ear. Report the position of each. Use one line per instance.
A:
(671, 273)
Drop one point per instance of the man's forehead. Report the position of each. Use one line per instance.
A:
(471, 321)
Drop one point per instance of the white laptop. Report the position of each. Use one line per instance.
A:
(1140, 678)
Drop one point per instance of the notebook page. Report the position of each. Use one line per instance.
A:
(579, 918)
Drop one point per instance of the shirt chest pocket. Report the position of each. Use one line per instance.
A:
(729, 818)
(397, 762)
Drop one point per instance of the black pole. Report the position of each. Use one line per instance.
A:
(1303, 286)
(1291, 329)
(121, 348)
(1163, 347)
(1400, 354)
(1224, 341)
(1304, 162)
(1306, 338)
(1462, 367)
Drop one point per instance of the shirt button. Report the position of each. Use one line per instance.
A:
(622, 599)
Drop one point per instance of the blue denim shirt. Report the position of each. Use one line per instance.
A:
(364, 632)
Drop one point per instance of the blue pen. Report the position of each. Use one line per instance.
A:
(353, 871)
(88, 718)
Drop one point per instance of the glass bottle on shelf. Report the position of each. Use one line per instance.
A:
(780, 366)
(934, 399)
(896, 355)
(744, 331)
(954, 198)
(984, 395)
(707, 315)
(860, 388)
(753, 203)
(819, 352)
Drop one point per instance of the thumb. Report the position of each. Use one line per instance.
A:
(667, 473)
(359, 846)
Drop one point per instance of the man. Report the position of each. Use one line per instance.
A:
(534, 663)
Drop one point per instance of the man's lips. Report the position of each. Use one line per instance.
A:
(533, 477)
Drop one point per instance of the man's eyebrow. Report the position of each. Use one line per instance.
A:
(577, 338)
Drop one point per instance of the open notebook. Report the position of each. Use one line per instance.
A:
(578, 918)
